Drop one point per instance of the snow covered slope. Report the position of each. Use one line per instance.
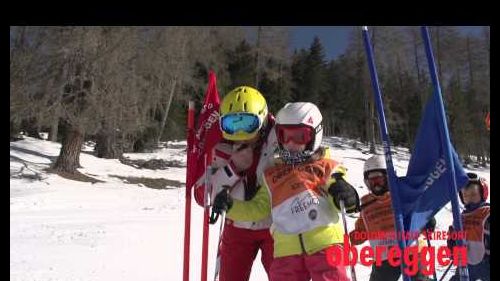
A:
(62, 229)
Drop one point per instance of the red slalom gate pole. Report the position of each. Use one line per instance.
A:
(206, 215)
(187, 208)
(204, 257)
(207, 136)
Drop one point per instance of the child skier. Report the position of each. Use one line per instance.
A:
(249, 141)
(476, 223)
(377, 215)
(303, 193)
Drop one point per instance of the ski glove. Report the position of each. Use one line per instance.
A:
(342, 190)
(431, 225)
(222, 202)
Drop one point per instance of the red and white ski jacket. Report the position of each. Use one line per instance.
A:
(244, 186)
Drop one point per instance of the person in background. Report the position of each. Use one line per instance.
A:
(476, 223)
(377, 215)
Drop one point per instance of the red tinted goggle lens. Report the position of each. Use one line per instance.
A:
(297, 134)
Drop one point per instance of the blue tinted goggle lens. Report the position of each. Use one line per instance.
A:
(233, 123)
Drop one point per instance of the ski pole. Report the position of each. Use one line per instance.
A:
(206, 218)
(430, 247)
(214, 216)
(187, 206)
(445, 272)
(217, 259)
(213, 220)
(342, 210)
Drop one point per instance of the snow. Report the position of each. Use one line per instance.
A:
(62, 229)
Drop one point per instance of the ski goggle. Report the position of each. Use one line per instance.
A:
(472, 186)
(473, 177)
(236, 122)
(376, 179)
(474, 181)
(299, 134)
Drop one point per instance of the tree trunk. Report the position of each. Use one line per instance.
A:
(106, 146)
(333, 133)
(257, 57)
(438, 52)
(69, 156)
(415, 52)
(326, 127)
(167, 109)
(401, 90)
(487, 38)
(409, 139)
(31, 128)
(54, 127)
(14, 130)
(367, 116)
(422, 92)
(482, 142)
(373, 120)
(469, 60)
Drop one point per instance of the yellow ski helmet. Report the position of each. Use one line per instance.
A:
(243, 112)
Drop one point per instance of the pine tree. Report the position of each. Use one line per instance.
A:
(315, 81)
(241, 65)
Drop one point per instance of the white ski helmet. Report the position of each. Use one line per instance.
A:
(483, 185)
(303, 113)
(376, 162)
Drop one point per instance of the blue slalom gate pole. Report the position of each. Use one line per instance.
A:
(393, 185)
(452, 189)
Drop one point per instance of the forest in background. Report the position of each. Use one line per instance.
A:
(127, 88)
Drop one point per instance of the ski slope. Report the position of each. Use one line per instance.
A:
(62, 229)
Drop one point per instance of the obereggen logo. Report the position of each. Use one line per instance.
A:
(410, 256)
